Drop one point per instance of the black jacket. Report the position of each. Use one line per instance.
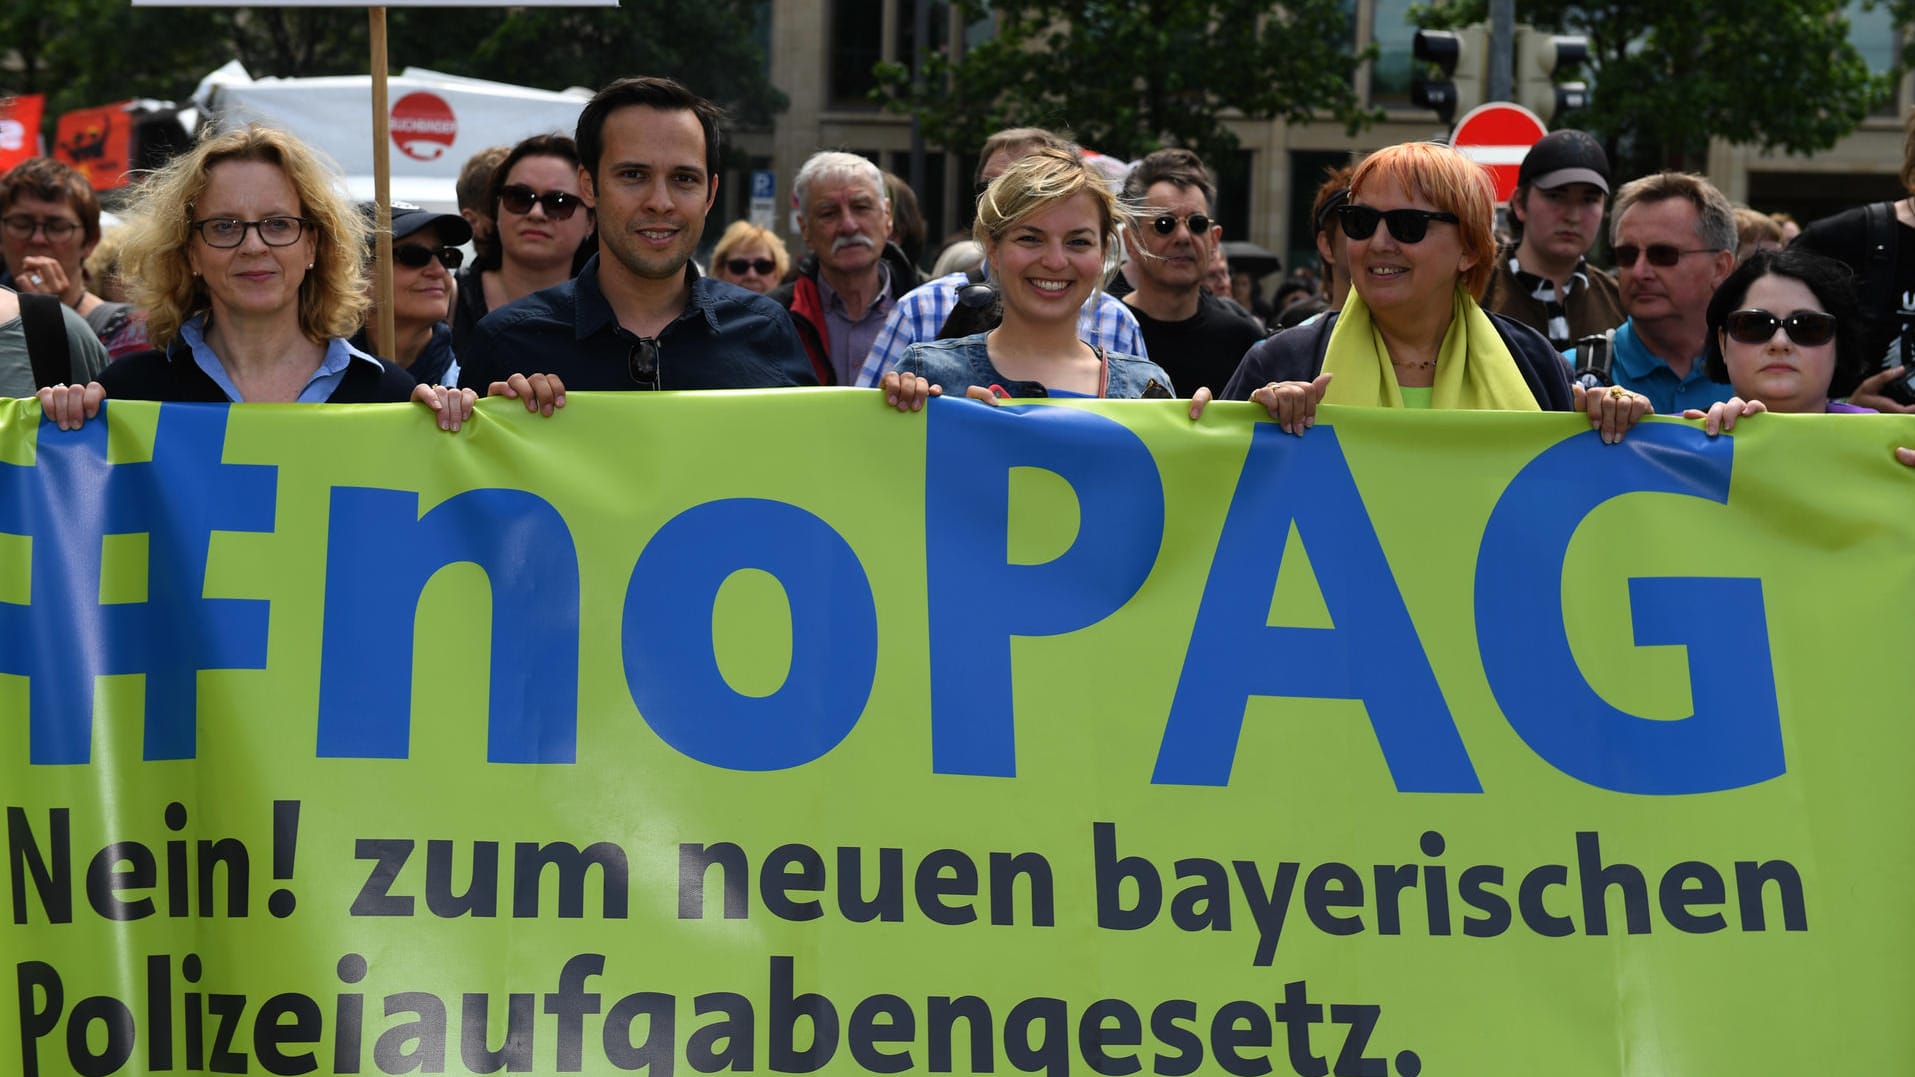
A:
(173, 376)
(1297, 355)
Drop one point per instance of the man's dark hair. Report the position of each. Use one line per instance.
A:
(1832, 284)
(1175, 165)
(666, 95)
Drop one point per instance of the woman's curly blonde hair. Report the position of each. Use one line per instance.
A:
(153, 255)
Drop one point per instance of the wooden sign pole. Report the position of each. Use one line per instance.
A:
(384, 339)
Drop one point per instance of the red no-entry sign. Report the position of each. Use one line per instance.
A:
(1498, 136)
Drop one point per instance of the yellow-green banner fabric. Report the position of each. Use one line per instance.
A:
(779, 732)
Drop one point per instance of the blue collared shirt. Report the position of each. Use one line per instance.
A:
(1637, 369)
(318, 389)
(726, 338)
(1104, 322)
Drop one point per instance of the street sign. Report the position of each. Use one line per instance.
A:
(1498, 136)
(764, 207)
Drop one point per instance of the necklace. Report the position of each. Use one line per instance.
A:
(1415, 364)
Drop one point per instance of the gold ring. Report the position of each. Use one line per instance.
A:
(1617, 392)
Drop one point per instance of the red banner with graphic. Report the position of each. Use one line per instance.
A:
(97, 141)
(20, 128)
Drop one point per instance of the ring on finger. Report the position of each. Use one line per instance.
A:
(1617, 392)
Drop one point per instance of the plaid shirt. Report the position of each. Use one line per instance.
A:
(1105, 322)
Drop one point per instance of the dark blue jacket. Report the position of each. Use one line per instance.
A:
(727, 338)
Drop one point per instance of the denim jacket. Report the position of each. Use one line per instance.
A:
(958, 364)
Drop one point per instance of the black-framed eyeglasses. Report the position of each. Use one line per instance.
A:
(1809, 328)
(417, 255)
(1660, 254)
(22, 226)
(1406, 225)
(559, 205)
(1166, 223)
(228, 232)
(641, 362)
(740, 266)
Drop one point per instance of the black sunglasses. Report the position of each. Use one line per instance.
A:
(417, 255)
(642, 362)
(1407, 225)
(558, 204)
(1166, 223)
(1660, 254)
(1809, 328)
(760, 266)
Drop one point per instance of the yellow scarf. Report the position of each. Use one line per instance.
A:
(1474, 370)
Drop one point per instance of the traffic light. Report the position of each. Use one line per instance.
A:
(1459, 55)
(1539, 57)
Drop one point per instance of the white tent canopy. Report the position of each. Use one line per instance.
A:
(438, 121)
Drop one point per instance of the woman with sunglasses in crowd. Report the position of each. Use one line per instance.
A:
(1782, 327)
(1421, 250)
(425, 254)
(541, 228)
(248, 263)
(1049, 227)
(751, 257)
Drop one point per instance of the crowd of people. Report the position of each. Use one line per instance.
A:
(241, 275)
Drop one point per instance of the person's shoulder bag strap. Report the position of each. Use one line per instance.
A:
(45, 329)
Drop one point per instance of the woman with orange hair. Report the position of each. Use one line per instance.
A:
(1420, 222)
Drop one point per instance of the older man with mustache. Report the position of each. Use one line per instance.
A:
(853, 276)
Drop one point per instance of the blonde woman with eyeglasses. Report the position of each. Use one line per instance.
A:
(248, 263)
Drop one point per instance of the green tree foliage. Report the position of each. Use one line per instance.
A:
(1129, 76)
(93, 52)
(1667, 76)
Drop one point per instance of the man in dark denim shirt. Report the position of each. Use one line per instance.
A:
(639, 315)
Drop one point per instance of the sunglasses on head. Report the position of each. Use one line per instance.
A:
(1406, 225)
(558, 204)
(760, 266)
(1166, 223)
(417, 255)
(1660, 254)
(1808, 328)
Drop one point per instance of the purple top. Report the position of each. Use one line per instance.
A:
(1843, 407)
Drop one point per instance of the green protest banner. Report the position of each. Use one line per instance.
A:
(779, 732)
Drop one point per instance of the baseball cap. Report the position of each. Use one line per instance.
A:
(1564, 157)
(408, 218)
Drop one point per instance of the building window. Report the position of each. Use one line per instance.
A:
(937, 14)
(1395, 37)
(857, 44)
(1873, 34)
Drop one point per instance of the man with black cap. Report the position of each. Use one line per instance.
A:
(1556, 212)
(425, 253)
